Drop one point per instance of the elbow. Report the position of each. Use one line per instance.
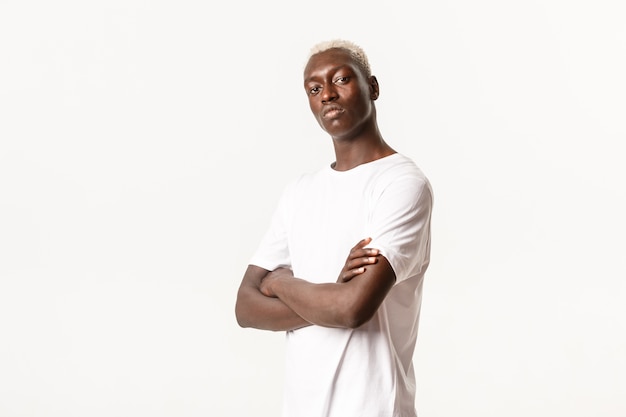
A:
(357, 321)
(356, 316)
(241, 317)
(241, 322)
(353, 310)
(244, 313)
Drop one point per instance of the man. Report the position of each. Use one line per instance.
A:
(351, 311)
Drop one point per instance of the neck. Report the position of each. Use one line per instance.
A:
(360, 150)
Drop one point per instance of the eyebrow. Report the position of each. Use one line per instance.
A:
(333, 69)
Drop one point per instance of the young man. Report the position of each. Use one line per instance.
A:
(351, 311)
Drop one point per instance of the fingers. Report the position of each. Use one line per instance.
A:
(362, 253)
(362, 243)
(358, 259)
(360, 250)
(358, 255)
(349, 274)
(356, 266)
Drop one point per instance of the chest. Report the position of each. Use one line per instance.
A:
(327, 220)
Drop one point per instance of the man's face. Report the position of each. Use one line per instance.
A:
(341, 97)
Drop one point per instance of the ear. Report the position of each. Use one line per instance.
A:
(374, 87)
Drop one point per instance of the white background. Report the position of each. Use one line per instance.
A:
(144, 145)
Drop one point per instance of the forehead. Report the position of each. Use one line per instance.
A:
(330, 59)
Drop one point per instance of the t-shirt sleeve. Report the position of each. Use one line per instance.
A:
(400, 225)
(273, 250)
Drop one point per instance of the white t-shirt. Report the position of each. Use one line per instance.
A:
(368, 371)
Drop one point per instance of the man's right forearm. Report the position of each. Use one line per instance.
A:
(253, 309)
(265, 313)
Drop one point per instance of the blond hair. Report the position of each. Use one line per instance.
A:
(356, 52)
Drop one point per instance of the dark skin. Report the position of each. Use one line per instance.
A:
(341, 97)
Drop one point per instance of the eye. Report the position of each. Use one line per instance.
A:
(314, 90)
(342, 80)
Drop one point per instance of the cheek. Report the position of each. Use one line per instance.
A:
(315, 108)
(360, 106)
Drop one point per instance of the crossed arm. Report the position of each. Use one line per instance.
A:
(276, 300)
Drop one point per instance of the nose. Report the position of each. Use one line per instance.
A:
(329, 93)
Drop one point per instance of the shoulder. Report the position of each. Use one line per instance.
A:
(401, 165)
(401, 172)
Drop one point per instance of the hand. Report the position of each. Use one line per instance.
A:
(269, 279)
(357, 260)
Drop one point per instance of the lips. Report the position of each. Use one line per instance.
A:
(332, 111)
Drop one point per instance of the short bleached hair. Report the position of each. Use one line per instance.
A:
(356, 52)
